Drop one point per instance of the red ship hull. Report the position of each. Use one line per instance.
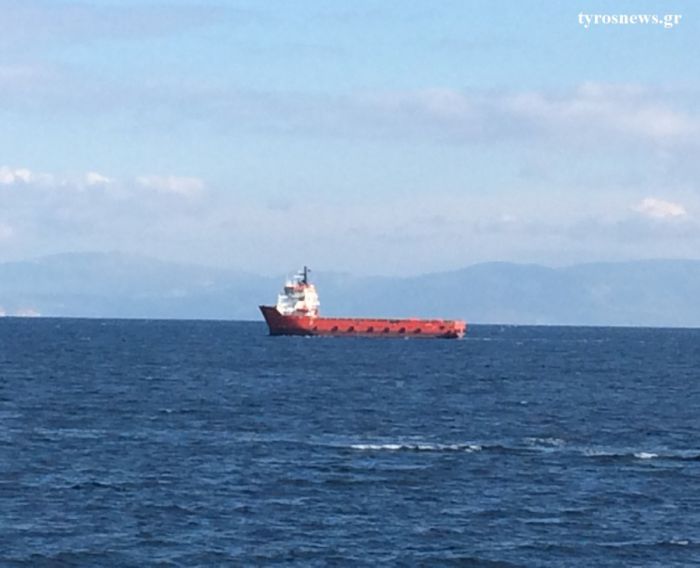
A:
(361, 327)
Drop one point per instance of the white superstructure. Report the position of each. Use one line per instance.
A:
(299, 297)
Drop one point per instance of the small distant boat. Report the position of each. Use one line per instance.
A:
(297, 313)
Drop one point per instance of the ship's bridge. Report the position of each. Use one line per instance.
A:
(298, 297)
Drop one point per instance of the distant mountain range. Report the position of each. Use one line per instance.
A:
(639, 293)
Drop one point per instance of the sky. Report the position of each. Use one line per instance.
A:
(393, 137)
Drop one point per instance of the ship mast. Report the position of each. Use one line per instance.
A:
(306, 275)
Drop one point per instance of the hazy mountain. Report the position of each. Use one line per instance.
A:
(653, 292)
(120, 285)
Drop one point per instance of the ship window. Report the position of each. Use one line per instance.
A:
(351, 328)
(370, 329)
(386, 330)
(417, 331)
(335, 328)
(442, 327)
(402, 330)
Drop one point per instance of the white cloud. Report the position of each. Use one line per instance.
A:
(660, 209)
(94, 178)
(590, 116)
(12, 176)
(185, 186)
(599, 109)
(177, 185)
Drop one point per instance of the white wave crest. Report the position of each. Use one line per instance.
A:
(594, 453)
(418, 447)
(598, 453)
(548, 442)
(645, 455)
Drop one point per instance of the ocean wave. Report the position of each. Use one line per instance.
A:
(418, 447)
(673, 455)
(645, 455)
(549, 442)
(672, 542)
(528, 446)
(58, 434)
(531, 446)
(607, 453)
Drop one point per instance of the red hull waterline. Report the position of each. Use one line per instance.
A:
(280, 324)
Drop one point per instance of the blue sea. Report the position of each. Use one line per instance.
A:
(180, 443)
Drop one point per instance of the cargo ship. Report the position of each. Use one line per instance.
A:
(297, 313)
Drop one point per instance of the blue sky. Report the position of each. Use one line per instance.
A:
(383, 137)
